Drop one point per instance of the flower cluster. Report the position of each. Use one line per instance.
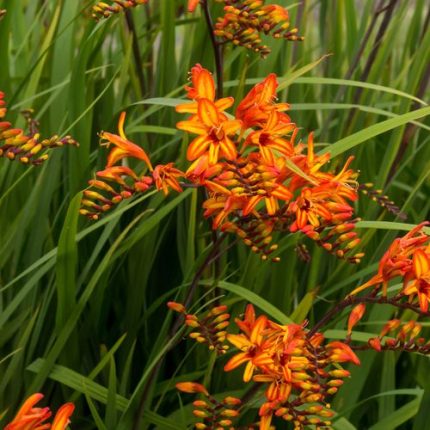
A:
(209, 329)
(298, 369)
(245, 21)
(407, 258)
(16, 144)
(213, 414)
(104, 10)
(258, 179)
(30, 417)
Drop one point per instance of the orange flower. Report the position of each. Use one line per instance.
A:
(123, 147)
(32, 418)
(214, 130)
(355, 316)
(165, 177)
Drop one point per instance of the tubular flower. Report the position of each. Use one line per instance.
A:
(245, 21)
(30, 417)
(299, 371)
(104, 10)
(15, 144)
(123, 148)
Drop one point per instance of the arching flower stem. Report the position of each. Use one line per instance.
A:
(370, 299)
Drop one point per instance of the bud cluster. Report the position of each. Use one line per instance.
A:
(104, 10)
(209, 328)
(245, 21)
(15, 144)
(383, 200)
(212, 414)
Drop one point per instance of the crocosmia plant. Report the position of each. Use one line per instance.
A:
(237, 235)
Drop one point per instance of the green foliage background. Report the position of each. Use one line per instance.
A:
(82, 305)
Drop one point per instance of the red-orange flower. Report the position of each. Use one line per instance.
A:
(165, 176)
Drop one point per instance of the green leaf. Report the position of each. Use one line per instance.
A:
(361, 136)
